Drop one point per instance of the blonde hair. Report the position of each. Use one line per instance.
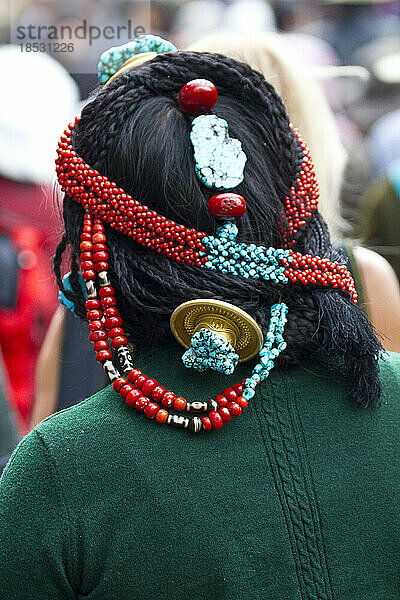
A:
(270, 54)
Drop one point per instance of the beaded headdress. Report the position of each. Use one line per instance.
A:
(216, 334)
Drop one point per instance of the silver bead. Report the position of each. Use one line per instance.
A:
(178, 421)
(111, 371)
(103, 278)
(196, 406)
(125, 358)
(90, 289)
(213, 405)
(195, 425)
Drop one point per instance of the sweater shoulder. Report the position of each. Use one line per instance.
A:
(95, 414)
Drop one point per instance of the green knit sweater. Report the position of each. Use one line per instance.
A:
(297, 499)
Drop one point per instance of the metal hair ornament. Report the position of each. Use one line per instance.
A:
(105, 202)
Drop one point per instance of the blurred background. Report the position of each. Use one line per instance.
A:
(336, 56)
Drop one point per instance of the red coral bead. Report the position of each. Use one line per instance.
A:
(151, 410)
(125, 389)
(161, 416)
(222, 401)
(139, 381)
(158, 393)
(198, 96)
(108, 301)
(100, 345)
(106, 291)
(216, 419)
(148, 386)
(95, 325)
(225, 414)
(103, 355)
(230, 394)
(115, 332)
(97, 335)
(206, 423)
(132, 396)
(112, 322)
(119, 341)
(168, 399)
(234, 409)
(118, 383)
(179, 403)
(134, 374)
(91, 304)
(141, 403)
(227, 206)
(94, 315)
(242, 402)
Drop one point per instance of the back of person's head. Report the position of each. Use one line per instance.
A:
(135, 133)
(271, 54)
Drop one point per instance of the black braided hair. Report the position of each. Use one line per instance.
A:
(135, 133)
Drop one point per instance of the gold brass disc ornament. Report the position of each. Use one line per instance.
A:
(230, 322)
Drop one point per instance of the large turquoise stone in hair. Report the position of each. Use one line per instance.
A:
(219, 159)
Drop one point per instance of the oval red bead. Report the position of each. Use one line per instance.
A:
(216, 419)
(103, 355)
(125, 389)
(234, 409)
(101, 266)
(222, 401)
(100, 345)
(90, 304)
(100, 256)
(132, 396)
(97, 335)
(119, 341)
(118, 383)
(94, 315)
(106, 291)
(151, 410)
(95, 325)
(115, 331)
(227, 206)
(99, 238)
(132, 375)
(230, 394)
(198, 96)
(139, 381)
(225, 414)
(157, 393)
(88, 275)
(112, 322)
(168, 399)
(141, 403)
(206, 423)
(243, 403)
(148, 386)
(108, 301)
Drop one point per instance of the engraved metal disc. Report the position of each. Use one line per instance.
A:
(229, 321)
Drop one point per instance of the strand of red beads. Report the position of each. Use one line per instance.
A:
(137, 390)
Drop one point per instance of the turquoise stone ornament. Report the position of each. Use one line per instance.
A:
(208, 350)
(219, 159)
(228, 256)
(274, 344)
(112, 59)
